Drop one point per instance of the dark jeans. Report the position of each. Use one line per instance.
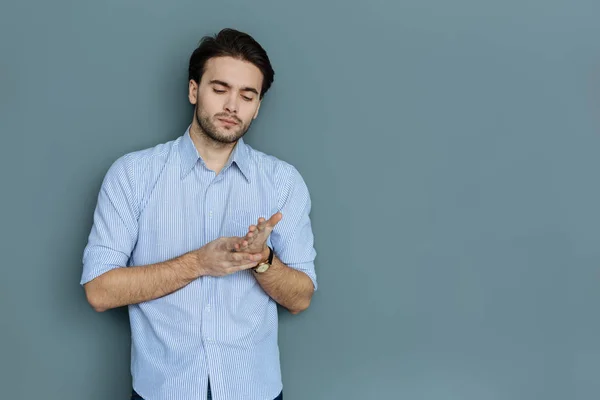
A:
(135, 396)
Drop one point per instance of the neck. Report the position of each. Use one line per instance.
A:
(215, 154)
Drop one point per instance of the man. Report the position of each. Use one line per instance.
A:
(179, 237)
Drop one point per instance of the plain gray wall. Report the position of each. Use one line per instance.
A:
(451, 151)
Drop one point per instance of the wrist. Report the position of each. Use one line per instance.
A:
(265, 255)
(192, 265)
(265, 264)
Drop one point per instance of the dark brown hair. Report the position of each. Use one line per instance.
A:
(232, 43)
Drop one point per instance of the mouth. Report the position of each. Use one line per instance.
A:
(227, 121)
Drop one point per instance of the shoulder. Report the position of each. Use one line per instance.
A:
(279, 171)
(134, 172)
(136, 163)
(284, 176)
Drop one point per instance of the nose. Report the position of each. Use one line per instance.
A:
(231, 105)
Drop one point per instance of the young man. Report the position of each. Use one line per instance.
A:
(179, 237)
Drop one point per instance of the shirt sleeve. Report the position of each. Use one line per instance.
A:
(114, 230)
(292, 238)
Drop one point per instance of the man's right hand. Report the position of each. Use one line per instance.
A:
(218, 258)
(137, 284)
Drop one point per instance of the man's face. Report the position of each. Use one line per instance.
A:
(227, 99)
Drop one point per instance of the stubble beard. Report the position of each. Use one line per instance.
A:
(211, 131)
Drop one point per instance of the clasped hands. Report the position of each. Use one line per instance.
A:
(226, 255)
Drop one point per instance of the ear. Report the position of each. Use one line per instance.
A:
(257, 108)
(193, 91)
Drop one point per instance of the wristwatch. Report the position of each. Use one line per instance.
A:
(264, 266)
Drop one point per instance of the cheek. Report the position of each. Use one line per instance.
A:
(209, 105)
(249, 113)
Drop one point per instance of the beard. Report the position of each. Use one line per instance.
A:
(221, 134)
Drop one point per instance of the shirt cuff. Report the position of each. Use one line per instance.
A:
(99, 260)
(308, 268)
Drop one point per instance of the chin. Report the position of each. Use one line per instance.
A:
(228, 138)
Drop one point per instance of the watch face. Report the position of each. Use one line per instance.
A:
(262, 267)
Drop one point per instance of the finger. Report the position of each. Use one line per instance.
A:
(230, 242)
(243, 257)
(236, 258)
(239, 267)
(243, 267)
(261, 223)
(241, 246)
(274, 220)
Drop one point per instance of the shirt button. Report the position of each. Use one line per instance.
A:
(208, 307)
(210, 214)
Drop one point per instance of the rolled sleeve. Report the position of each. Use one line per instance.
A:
(292, 238)
(114, 230)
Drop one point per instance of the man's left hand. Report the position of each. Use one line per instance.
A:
(256, 238)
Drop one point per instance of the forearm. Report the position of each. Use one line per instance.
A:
(290, 288)
(133, 285)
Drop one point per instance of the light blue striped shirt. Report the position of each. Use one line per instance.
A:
(159, 203)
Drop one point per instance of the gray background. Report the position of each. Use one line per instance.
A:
(451, 153)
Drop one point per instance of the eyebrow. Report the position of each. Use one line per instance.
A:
(227, 85)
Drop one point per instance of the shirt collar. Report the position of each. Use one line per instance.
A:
(241, 157)
(189, 156)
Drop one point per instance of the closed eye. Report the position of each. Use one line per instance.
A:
(218, 91)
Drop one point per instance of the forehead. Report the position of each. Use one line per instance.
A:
(237, 73)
